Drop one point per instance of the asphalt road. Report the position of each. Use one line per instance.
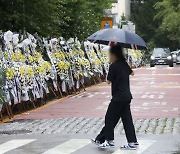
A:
(65, 126)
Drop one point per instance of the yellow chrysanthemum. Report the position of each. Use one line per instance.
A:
(40, 69)
(10, 73)
(62, 55)
(22, 70)
(61, 65)
(53, 55)
(58, 55)
(31, 58)
(30, 71)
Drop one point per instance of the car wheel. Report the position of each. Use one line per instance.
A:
(171, 65)
(152, 65)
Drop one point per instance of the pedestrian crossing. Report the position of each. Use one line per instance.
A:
(145, 144)
(13, 144)
(68, 147)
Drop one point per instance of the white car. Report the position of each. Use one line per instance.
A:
(178, 58)
(174, 55)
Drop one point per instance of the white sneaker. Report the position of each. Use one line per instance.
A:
(129, 146)
(134, 144)
(96, 142)
(107, 144)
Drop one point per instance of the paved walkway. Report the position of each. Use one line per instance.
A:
(87, 126)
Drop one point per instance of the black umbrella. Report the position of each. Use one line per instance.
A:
(126, 38)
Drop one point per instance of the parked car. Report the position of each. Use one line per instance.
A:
(161, 56)
(174, 55)
(178, 58)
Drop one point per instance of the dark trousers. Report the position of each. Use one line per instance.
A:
(117, 110)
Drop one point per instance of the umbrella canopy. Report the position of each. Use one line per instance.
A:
(126, 38)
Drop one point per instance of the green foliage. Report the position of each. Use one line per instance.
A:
(68, 18)
(169, 13)
(150, 23)
(31, 15)
(2, 82)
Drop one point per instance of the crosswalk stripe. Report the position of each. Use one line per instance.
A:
(68, 147)
(144, 144)
(13, 144)
(91, 96)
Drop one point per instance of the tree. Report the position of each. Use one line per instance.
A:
(149, 27)
(33, 16)
(81, 17)
(169, 13)
(142, 15)
(68, 18)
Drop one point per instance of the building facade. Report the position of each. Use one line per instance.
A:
(119, 9)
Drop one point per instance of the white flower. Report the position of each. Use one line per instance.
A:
(27, 42)
(31, 37)
(34, 45)
(15, 39)
(54, 40)
(62, 42)
(8, 36)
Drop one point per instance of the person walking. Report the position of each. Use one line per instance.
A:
(119, 106)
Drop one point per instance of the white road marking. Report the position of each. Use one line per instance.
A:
(151, 68)
(79, 95)
(175, 109)
(157, 103)
(145, 104)
(146, 108)
(106, 103)
(147, 96)
(152, 82)
(161, 96)
(13, 144)
(96, 93)
(144, 144)
(137, 92)
(165, 110)
(136, 107)
(91, 96)
(136, 110)
(164, 103)
(108, 96)
(104, 93)
(68, 147)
